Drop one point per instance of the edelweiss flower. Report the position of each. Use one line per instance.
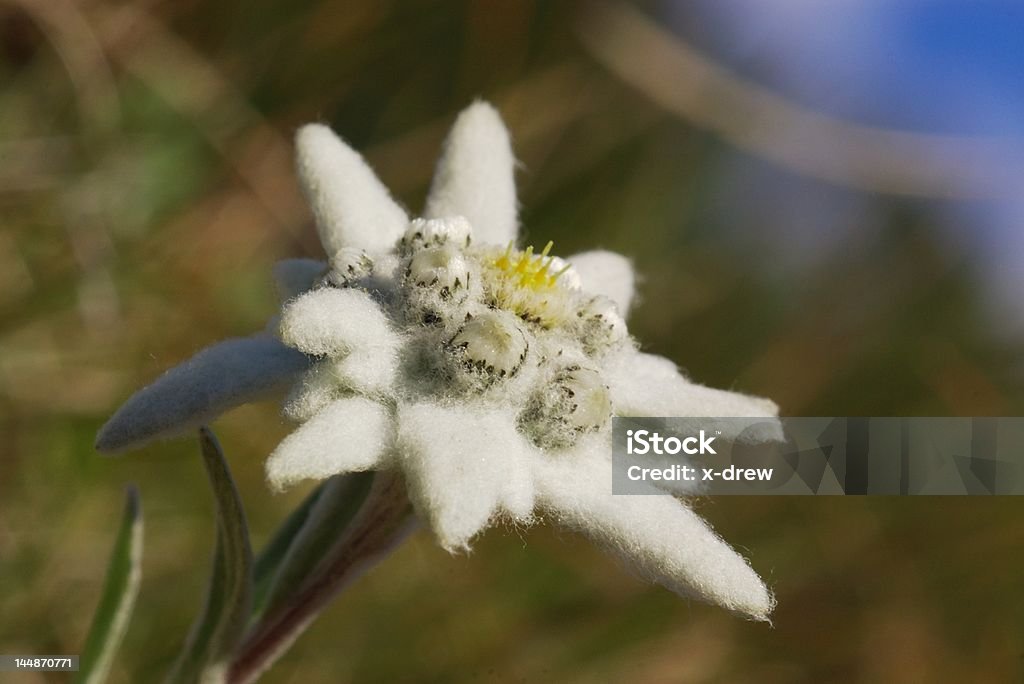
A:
(486, 373)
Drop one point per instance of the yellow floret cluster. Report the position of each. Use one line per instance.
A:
(527, 284)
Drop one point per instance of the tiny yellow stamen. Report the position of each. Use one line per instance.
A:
(523, 282)
(560, 272)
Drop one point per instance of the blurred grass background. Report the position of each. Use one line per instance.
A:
(146, 188)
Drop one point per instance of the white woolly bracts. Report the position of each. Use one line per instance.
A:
(487, 374)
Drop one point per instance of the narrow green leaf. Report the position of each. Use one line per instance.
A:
(221, 625)
(120, 589)
(334, 548)
(334, 509)
(269, 559)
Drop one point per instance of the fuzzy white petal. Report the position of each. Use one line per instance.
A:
(317, 388)
(609, 274)
(464, 467)
(369, 371)
(295, 276)
(332, 322)
(649, 385)
(656, 535)
(348, 435)
(475, 177)
(351, 205)
(218, 378)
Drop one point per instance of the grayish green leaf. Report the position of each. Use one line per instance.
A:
(120, 589)
(222, 623)
(269, 559)
(337, 505)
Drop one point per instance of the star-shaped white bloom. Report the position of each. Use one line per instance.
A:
(486, 374)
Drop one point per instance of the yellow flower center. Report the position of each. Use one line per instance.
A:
(527, 284)
(527, 270)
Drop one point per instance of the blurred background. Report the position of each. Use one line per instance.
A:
(823, 201)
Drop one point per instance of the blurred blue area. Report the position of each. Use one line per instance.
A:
(944, 66)
(948, 67)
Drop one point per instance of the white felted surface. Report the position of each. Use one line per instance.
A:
(438, 231)
(218, 378)
(609, 274)
(317, 388)
(475, 177)
(295, 276)
(655, 535)
(351, 205)
(369, 371)
(649, 385)
(483, 383)
(348, 435)
(463, 467)
(332, 322)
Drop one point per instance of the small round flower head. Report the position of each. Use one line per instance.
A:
(576, 401)
(491, 345)
(454, 230)
(442, 268)
(347, 267)
(439, 272)
(599, 325)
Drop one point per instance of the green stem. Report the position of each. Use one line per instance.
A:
(383, 522)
